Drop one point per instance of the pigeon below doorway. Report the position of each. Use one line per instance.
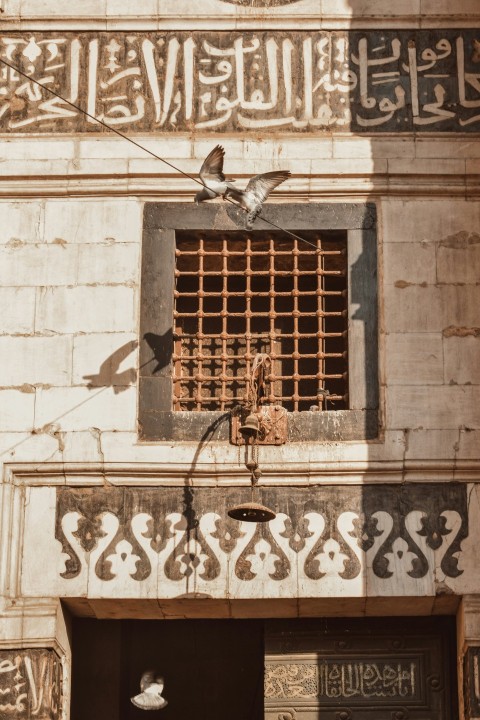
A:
(150, 698)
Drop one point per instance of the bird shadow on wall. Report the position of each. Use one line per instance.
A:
(108, 375)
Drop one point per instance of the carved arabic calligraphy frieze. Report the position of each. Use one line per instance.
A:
(30, 684)
(303, 82)
(322, 532)
(350, 679)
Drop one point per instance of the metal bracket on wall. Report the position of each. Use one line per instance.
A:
(272, 425)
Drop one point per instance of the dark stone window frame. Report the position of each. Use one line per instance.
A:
(156, 420)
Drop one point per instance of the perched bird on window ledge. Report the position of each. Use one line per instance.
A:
(150, 698)
(211, 174)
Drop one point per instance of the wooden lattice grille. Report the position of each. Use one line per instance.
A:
(238, 294)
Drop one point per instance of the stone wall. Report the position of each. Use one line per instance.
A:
(70, 273)
(104, 522)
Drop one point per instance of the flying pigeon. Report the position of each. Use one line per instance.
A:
(256, 192)
(211, 174)
(150, 698)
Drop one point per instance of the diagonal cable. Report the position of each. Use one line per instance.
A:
(142, 147)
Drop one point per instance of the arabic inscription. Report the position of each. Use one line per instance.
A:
(316, 82)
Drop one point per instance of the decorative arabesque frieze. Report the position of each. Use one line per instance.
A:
(319, 533)
(291, 81)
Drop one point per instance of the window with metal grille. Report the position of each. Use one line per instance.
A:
(215, 299)
(239, 294)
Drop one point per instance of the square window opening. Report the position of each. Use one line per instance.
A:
(238, 294)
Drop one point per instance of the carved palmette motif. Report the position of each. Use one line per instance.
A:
(324, 533)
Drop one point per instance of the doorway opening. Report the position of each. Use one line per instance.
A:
(397, 668)
(213, 669)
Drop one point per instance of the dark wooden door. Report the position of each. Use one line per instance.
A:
(361, 669)
(213, 669)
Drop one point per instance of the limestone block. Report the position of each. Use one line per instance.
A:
(18, 310)
(108, 264)
(92, 221)
(431, 444)
(473, 166)
(29, 447)
(428, 220)
(458, 257)
(462, 359)
(85, 309)
(107, 359)
(31, 169)
(118, 7)
(78, 408)
(348, 166)
(11, 8)
(446, 148)
(17, 410)
(97, 167)
(11, 628)
(103, 148)
(377, 8)
(33, 149)
(39, 264)
(285, 149)
(31, 360)
(87, 8)
(469, 444)
(234, 148)
(428, 407)
(415, 308)
(21, 221)
(444, 7)
(414, 359)
(409, 262)
(427, 166)
(372, 148)
(83, 446)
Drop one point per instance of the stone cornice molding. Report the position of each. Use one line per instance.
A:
(212, 475)
(246, 20)
(344, 186)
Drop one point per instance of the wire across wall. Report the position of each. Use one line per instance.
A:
(239, 294)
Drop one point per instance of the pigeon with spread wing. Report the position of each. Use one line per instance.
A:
(150, 698)
(256, 192)
(212, 177)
